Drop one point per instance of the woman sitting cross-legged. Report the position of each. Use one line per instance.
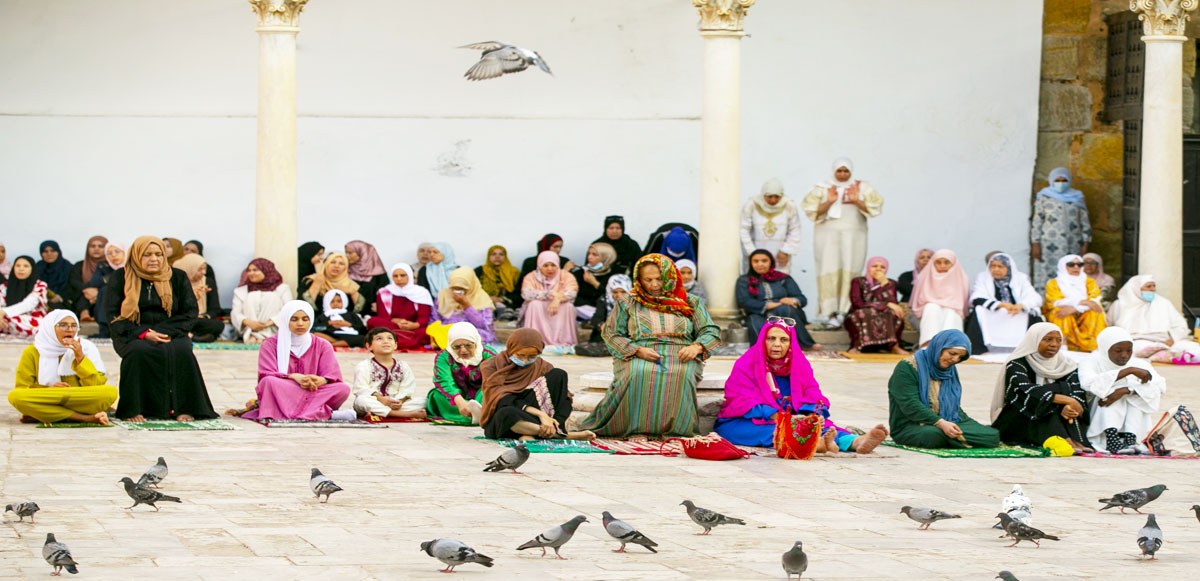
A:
(257, 300)
(765, 292)
(524, 396)
(383, 385)
(404, 307)
(924, 398)
(298, 375)
(875, 319)
(1038, 400)
(457, 379)
(549, 309)
(1125, 390)
(773, 374)
(337, 324)
(61, 376)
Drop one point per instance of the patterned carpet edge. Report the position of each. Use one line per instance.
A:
(1004, 451)
(173, 426)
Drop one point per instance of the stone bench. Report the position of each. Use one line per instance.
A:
(590, 388)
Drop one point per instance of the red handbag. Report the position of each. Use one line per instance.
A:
(797, 436)
(710, 447)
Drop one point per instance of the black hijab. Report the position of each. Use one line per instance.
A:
(308, 250)
(18, 289)
(54, 273)
(199, 246)
(628, 251)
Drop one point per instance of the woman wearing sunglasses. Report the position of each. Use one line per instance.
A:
(1073, 304)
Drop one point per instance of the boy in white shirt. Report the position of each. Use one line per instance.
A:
(383, 385)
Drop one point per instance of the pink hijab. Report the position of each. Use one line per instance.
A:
(871, 282)
(369, 265)
(949, 289)
(752, 381)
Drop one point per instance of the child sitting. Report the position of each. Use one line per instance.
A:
(383, 385)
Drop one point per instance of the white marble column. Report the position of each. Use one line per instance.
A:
(1160, 236)
(275, 167)
(720, 157)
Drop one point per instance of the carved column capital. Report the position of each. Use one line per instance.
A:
(278, 15)
(726, 16)
(1163, 17)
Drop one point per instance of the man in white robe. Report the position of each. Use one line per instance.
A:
(771, 221)
(1126, 391)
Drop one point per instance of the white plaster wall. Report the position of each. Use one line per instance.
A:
(132, 116)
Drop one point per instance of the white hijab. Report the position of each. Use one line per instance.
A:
(1074, 288)
(56, 360)
(412, 291)
(835, 210)
(1140, 318)
(1098, 374)
(465, 330)
(290, 343)
(1055, 367)
(695, 273)
(333, 314)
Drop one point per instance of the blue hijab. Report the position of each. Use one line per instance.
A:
(677, 245)
(438, 274)
(1071, 196)
(950, 394)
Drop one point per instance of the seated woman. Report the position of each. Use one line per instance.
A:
(939, 297)
(500, 280)
(1159, 332)
(310, 258)
(5, 264)
(422, 257)
(657, 242)
(592, 278)
(210, 278)
(773, 374)
(436, 274)
(114, 259)
(463, 301)
(875, 319)
(660, 338)
(924, 398)
(687, 274)
(333, 275)
(298, 375)
(404, 307)
(61, 376)
(678, 245)
(383, 385)
(1126, 393)
(628, 250)
(524, 396)
(77, 295)
(619, 285)
(367, 270)
(174, 249)
(905, 283)
(54, 270)
(260, 295)
(1038, 401)
(208, 326)
(549, 303)
(1093, 267)
(23, 300)
(336, 324)
(1072, 304)
(151, 309)
(457, 392)
(550, 242)
(765, 292)
(1004, 305)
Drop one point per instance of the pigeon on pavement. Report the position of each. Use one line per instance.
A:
(1150, 538)
(154, 474)
(511, 459)
(555, 537)
(1196, 509)
(499, 58)
(1020, 531)
(143, 495)
(58, 555)
(1134, 499)
(453, 553)
(795, 561)
(23, 509)
(321, 484)
(709, 519)
(926, 516)
(1018, 506)
(1007, 576)
(624, 532)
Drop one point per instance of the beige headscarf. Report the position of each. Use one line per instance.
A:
(1055, 367)
(463, 278)
(322, 282)
(135, 273)
(772, 187)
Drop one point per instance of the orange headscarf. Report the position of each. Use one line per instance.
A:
(135, 273)
(176, 250)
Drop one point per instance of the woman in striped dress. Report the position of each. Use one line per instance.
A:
(660, 338)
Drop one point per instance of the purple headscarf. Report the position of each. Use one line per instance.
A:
(752, 382)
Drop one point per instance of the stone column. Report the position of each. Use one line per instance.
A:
(275, 165)
(720, 157)
(1160, 237)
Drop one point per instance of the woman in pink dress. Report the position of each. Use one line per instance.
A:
(550, 303)
(298, 377)
(404, 307)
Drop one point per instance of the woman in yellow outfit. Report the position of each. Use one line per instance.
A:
(1073, 304)
(61, 377)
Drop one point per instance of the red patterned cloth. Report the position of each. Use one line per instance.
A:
(674, 298)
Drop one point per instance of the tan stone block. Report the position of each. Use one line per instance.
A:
(1101, 157)
(1063, 107)
(1054, 150)
(1108, 246)
(1060, 57)
(1066, 16)
(1093, 58)
(1103, 201)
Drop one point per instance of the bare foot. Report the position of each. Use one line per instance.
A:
(526, 438)
(816, 348)
(828, 441)
(853, 350)
(28, 420)
(586, 435)
(184, 418)
(102, 418)
(866, 444)
(253, 341)
(898, 350)
(136, 419)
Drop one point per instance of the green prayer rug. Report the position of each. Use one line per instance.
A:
(1004, 451)
(173, 425)
(553, 446)
(74, 425)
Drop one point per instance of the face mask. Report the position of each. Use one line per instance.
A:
(1148, 296)
(598, 266)
(520, 363)
(1061, 187)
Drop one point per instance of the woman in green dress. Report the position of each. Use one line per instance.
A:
(457, 379)
(924, 398)
(660, 337)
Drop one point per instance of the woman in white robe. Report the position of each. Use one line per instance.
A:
(258, 300)
(1127, 392)
(1159, 332)
(771, 221)
(1004, 305)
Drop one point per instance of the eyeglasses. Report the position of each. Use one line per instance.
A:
(785, 321)
(1075, 264)
(66, 326)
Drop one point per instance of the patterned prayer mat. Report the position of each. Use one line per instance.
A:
(224, 346)
(172, 425)
(639, 447)
(374, 419)
(1004, 451)
(1138, 456)
(553, 446)
(75, 425)
(319, 423)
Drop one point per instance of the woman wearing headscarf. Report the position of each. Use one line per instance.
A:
(457, 394)
(54, 270)
(77, 295)
(298, 375)
(1159, 332)
(5, 263)
(1125, 391)
(687, 274)
(875, 319)
(174, 249)
(1060, 225)
(335, 322)
(764, 292)
(463, 300)
(553, 243)
(939, 297)
(151, 309)
(23, 300)
(114, 259)
(1038, 401)
(257, 300)
(592, 278)
(213, 296)
(618, 286)
(1093, 267)
(660, 338)
(1072, 303)
(907, 278)
(436, 274)
(840, 208)
(309, 257)
(677, 245)
(925, 398)
(627, 249)
(658, 241)
(524, 396)
(1003, 306)
(500, 280)
(774, 375)
(422, 256)
(404, 307)
(207, 326)
(334, 274)
(367, 270)
(771, 221)
(549, 295)
(61, 376)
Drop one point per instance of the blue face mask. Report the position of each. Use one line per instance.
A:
(520, 363)
(1148, 296)
(598, 266)
(1061, 187)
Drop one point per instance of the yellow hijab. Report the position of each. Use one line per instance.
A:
(506, 274)
(322, 282)
(463, 278)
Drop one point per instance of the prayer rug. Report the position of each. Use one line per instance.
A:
(75, 425)
(445, 422)
(639, 447)
(173, 425)
(374, 419)
(553, 446)
(1003, 451)
(1137, 456)
(224, 346)
(270, 423)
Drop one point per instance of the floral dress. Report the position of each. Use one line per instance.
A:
(24, 317)
(1061, 229)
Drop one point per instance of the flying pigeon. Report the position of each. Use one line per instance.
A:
(154, 474)
(926, 516)
(709, 519)
(1007, 576)
(321, 484)
(511, 459)
(499, 58)
(555, 537)
(453, 553)
(143, 495)
(1196, 509)
(1134, 499)
(795, 561)
(1022, 532)
(624, 532)
(23, 509)
(1150, 538)
(58, 555)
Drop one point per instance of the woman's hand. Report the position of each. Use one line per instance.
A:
(569, 266)
(896, 310)
(1095, 306)
(831, 195)
(1036, 250)
(75, 347)
(791, 301)
(156, 337)
(1112, 398)
(461, 299)
(690, 352)
(1137, 372)
(1065, 311)
(300, 379)
(552, 308)
(549, 425)
(3, 322)
(1072, 409)
(590, 278)
(949, 428)
(852, 193)
(460, 402)
(90, 294)
(58, 384)
(1011, 308)
(782, 259)
(339, 324)
(1169, 342)
(649, 354)
(772, 305)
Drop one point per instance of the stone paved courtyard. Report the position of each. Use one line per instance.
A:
(248, 512)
